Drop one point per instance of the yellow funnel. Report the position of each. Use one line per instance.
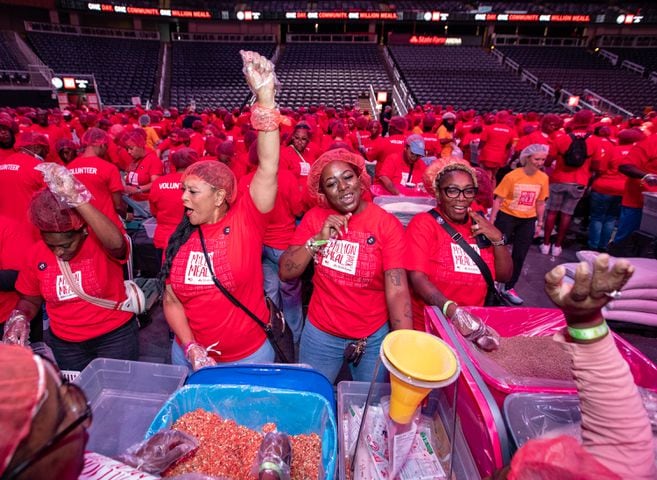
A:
(418, 362)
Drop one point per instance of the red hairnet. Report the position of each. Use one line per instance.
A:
(94, 137)
(216, 174)
(65, 143)
(630, 135)
(398, 123)
(443, 165)
(23, 381)
(211, 144)
(226, 148)
(183, 158)
(29, 139)
(136, 136)
(48, 214)
(336, 155)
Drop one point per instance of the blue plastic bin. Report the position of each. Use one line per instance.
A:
(293, 412)
(288, 377)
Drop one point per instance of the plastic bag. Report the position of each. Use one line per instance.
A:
(258, 70)
(61, 182)
(274, 456)
(474, 329)
(157, 453)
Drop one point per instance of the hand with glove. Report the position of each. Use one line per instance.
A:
(17, 329)
(475, 330)
(61, 182)
(198, 356)
(260, 76)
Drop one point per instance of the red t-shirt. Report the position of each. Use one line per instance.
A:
(140, 173)
(611, 181)
(18, 183)
(395, 145)
(644, 156)
(498, 138)
(71, 318)
(282, 219)
(431, 144)
(349, 299)
(398, 171)
(536, 137)
(166, 204)
(377, 148)
(579, 175)
(6, 153)
(15, 241)
(235, 245)
(290, 160)
(197, 142)
(102, 179)
(431, 250)
(118, 156)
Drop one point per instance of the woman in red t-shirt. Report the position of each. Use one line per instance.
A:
(360, 289)
(440, 271)
(229, 231)
(95, 250)
(144, 168)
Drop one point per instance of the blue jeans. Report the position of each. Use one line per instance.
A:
(325, 353)
(629, 221)
(265, 354)
(605, 210)
(122, 344)
(286, 295)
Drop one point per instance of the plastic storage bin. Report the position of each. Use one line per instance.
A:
(288, 377)
(649, 213)
(124, 397)
(149, 225)
(405, 207)
(355, 393)
(293, 412)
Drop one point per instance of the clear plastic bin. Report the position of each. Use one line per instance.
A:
(649, 213)
(149, 225)
(355, 393)
(405, 207)
(124, 397)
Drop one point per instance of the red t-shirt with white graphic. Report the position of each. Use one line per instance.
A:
(71, 318)
(15, 241)
(234, 244)
(140, 173)
(19, 181)
(398, 171)
(431, 250)
(349, 297)
(166, 204)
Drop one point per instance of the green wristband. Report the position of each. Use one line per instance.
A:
(446, 306)
(271, 466)
(592, 333)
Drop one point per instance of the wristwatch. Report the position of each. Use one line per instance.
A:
(500, 242)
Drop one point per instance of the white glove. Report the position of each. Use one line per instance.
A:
(17, 329)
(198, 356)
(64, 185)
(475, 330)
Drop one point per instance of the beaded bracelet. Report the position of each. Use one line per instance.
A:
(265, 119)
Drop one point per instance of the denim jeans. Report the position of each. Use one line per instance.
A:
(325, 353)
(122, 344)
(628, 222)
(265, 354)
(605, 210)
(520, 232)
(286, 295)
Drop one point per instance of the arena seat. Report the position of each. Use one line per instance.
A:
(123, 68)
(333, 74)
(465, 77)
(577, 69)
(646, 57)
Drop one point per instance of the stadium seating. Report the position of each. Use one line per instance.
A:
(123, 68)
(465, 77)
(333, 74)
(8, 61)
(576, 69)
(646, 57)
(210, 74)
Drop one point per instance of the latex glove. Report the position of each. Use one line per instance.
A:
(61, 182)
(475, 330)
(198, 356)
(260, 76)
(17, 329)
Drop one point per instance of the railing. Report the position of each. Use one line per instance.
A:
(373, 104)
(36, 77)
(538, 41)
(653, 77)
(499, 55)
(525, 76)
(634, 67)
(91, 31)
(612, 57)
(337, 38)
(512, 64)
(222, 37)
(563, 101)
(607, 105)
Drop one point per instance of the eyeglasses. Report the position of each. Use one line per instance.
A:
(74, 400)
(453, 192)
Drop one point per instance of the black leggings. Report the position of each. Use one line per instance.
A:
(519, 232)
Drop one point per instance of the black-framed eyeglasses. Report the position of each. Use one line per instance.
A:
(453, 192)
(74, 400)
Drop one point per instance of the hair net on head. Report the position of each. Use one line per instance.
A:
(216, 174)
(398, 123)
(63, 143)
(183, 158)
(95, 137)
(144, 120)
(116, 130)
(226, 148)
(136, 137)
(48, 214)
(533, 149)
(336, 155)
(443, 165)
(23, 380)
(30, 139)
(630, 135)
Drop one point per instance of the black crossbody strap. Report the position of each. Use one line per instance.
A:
(229, 295)
(472, 253)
